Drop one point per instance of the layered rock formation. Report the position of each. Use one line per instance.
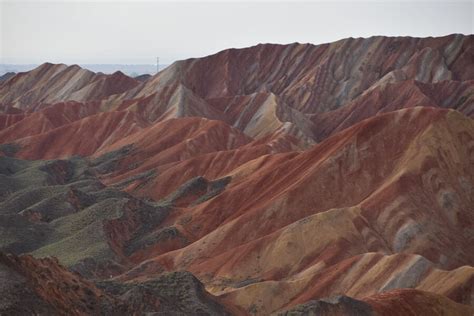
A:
(43, 287)
(51, 83)
(288, 179)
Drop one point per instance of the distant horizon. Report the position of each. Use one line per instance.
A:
(152, 67)
(144, 68)
(129, 69)
(95, 32)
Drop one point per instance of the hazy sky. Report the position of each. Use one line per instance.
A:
(137, 32)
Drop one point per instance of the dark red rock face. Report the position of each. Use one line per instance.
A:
(334, 179)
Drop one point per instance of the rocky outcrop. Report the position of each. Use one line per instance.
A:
(44, 287)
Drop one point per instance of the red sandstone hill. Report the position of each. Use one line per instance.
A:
(377, 187)
(260, 87)
(50, 83)
(289, 179)
(305, 91)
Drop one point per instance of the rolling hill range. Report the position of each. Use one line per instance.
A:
(333, 179)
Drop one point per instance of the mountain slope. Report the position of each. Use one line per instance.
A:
(393, 202)
(276, 179)
(50, 83)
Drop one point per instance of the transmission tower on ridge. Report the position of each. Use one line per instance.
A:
(157, 64)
